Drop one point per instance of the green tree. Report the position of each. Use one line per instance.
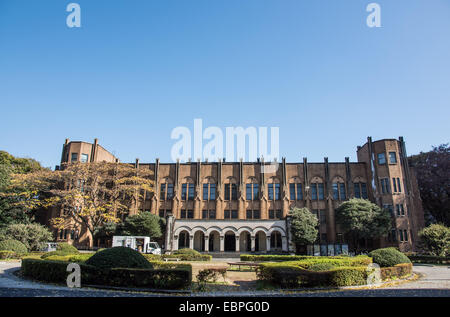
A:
(33, 235)
(435, 240)
(433, 177)
(141, 224)
(303, 227)
(362, 219)
(10, 209)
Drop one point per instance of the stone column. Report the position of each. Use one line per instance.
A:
(175, 243)
(191, 242)
(267, 243)
(206, 243)
(284, 243)
(253, 244)
(222, 244)
(237, 243)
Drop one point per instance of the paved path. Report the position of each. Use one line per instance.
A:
(435, 282)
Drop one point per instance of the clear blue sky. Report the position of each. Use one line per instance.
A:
(137, 69)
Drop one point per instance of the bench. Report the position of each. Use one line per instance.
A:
(172, 259)
(239, 264)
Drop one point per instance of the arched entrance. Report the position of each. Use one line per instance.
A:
(260, 241)
(183, 240)
(275, 241)
(199, 241)
(230, 242)
(214, 242)
(245, 242)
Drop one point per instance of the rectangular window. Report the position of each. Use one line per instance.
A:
(183, 191)
(381, 158)
(395, 185)
(401, 235)
(279, 214)
(169, 191)
(342, 191)
(323, 238)
(405, 235)
(183, 213)
(249, 214)
(205, 214)
(394, 235)
(226, 214)
(364, 190)
(292, 191)
(84, 158)
(205, 192)
(255, 191)
(402, 209)
(234, 214)
(191, 192)
(398, 185)
(323, 217)
(256, 214)
(212, 191)
(74, 158)
(271, 214)
(299, 192)
(321, 191)
(357, 191)
(392, 158)
(233, 191)
(314, 191)
(163, 192)
(190, 213)
(277, 191)
(270, 191)
(335, 191)
(385, 187)
(227, 191)
(162, 213)
(212, 214)
(248, 192)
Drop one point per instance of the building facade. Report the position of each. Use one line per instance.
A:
(243, 206)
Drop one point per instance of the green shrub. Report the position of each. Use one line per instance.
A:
(5, 255)
(65, 247)
(347, 276)
(55, 272)
(397, 271)
(188, 255)
(321, 266)
(388, 257)
(80, 258)
(56, 253)
(13, 245)
(118, 257)
(187, 251)
(158, 265)
(361, 259)
(152, 257)
(435, 240)
(430, 259)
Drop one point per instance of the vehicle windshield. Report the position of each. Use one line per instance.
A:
(154, 245)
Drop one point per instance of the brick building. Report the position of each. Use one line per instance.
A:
(243, 206)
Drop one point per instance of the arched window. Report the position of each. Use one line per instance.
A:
(273, 190)
(339, 192)
(317, 189)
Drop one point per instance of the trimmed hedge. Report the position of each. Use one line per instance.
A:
(57, 253)
(80, 258)
(118, 257)
(281, 258)
(13, 245)
(6, 254)
(55, 272)
(65, 247)
(387, 257)
(397, 271)
(188, 257)
(429, 259)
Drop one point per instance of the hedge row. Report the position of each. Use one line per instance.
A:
(5, 255)
(282, 258)
(188, 257)
(431, 259)
(55, 271)
(291, 276)
(70, 257)
(397, 271)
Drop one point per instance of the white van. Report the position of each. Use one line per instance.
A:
(138, 243)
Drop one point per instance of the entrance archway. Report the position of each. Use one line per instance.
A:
(245, 242)
(230, 242)
(275, 241)
(214, 241)
(199, 241)
(260, 241)
(183, 240)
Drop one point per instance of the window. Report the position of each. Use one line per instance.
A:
(389, 208)
(323, 238)
(405, 235)
(187, 190)
(205, 191)
(251, 191)
(209, 191)
(84, 158)
(169, 191)
(209, 214)
(392, 158)
(74, 157)
(317, 191)
(295, 191)
(381, 158)
(275, 214)
(339, 191)
(385, 188)
(401, 235)
(233, 214)
(230, 191)
(398, 185)
(187, 213)
(274, 191)
(400, 210)
(163, 192)
(253, 214)
(323, 217)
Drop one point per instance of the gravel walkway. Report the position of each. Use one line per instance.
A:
(434, 282)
